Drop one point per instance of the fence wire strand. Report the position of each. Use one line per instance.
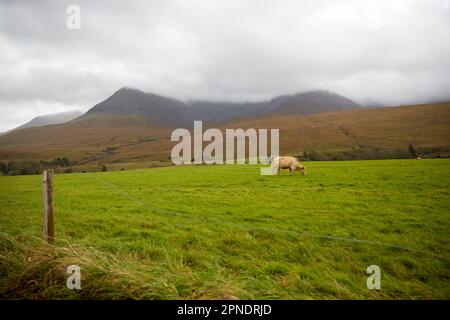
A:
(272, 229)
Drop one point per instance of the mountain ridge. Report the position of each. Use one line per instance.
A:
(357, 133)
(170, 111)
(50, 119)
(128, 101)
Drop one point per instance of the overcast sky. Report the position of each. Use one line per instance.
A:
(390, 52)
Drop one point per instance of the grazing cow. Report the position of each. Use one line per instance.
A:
(291, 163)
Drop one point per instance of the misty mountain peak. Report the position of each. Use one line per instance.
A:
(131, 101)
(50, 119)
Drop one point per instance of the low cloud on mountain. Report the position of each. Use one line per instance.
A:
(388, 52)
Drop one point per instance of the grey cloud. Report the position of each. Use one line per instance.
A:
(392, 52)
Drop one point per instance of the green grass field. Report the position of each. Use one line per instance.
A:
(220, 232)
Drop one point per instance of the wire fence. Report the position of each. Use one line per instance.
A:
(202, 219)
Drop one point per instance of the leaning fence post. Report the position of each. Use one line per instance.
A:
(49, 219)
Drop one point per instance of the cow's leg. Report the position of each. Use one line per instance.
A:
(292, 170)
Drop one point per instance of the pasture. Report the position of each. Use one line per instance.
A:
(224, 232)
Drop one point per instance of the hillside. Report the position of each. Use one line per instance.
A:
(364, 133)
(85, 140)
(361, 133)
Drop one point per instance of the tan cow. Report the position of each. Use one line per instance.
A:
(291, 163)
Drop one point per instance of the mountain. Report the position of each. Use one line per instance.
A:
(352, 133)
(209, 111)
(172, 112)
(134, 126)
(312, 102)
(50, 119)
(301, 103)
(128, 101)
(86, 140)
(362, 133)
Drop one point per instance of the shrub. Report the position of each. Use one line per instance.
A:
(412, 150)
(23, 167)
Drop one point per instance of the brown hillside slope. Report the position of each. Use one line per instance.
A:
(88, 140)
(383, 132)
(389, 129)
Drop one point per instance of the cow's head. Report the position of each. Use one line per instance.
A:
(301, 168)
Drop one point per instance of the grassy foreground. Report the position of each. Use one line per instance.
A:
(224, 232)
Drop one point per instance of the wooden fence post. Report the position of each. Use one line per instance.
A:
(49, 218)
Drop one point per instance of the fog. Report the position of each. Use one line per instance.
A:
(374, 52)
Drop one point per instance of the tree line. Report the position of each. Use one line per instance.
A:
(24, 167)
